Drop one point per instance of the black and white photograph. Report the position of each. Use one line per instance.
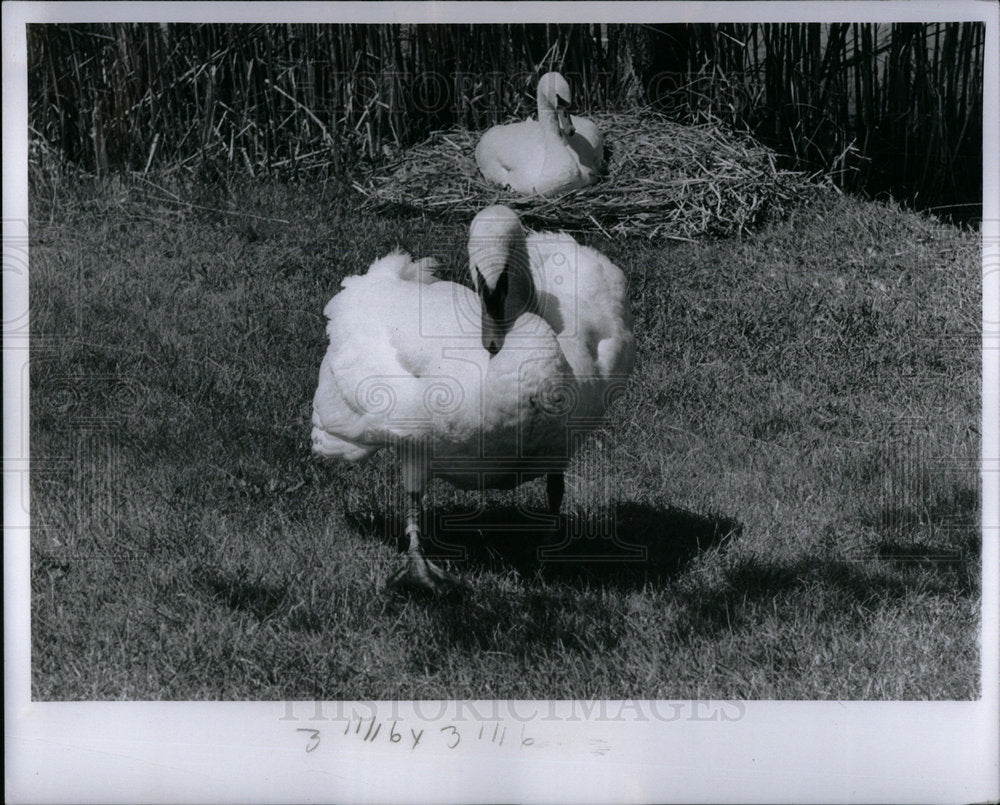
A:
(482, 402)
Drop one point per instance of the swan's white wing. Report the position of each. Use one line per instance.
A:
(388, 372)
(512, 154)
(584, 296)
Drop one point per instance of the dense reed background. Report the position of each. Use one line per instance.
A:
(887, 109)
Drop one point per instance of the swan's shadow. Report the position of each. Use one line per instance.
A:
(625, 545)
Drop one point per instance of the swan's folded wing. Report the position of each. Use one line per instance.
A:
(514, 155)
(394, 367)
(590, 296)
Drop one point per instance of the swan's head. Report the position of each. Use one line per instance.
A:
(554, 94)
(498, 262)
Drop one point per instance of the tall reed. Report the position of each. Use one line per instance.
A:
(891, 109)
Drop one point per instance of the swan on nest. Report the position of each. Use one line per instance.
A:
(550, 155)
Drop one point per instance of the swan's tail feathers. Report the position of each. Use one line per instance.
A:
(327, 445)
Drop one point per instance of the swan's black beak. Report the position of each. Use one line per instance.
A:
(565, 122)
(493, 334)
(563, 117)
(494, 310)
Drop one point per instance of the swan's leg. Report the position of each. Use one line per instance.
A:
(418, 571)
(555, 487)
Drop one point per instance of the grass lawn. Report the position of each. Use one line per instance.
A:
(791, 477)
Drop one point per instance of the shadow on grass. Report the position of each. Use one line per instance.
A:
(837, 588)
(625, 546)
(953, 565)
(239, 591)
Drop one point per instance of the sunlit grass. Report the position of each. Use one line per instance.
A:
(796, 453)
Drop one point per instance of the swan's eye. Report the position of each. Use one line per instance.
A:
(562, 102)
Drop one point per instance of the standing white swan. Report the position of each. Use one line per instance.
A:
(484, 388)
(556, 153)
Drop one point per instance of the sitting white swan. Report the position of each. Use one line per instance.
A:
(556, 153)
(484, 388)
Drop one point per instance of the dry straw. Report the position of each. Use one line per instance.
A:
(665, 180)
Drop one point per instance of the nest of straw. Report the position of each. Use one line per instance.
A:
(664, 180)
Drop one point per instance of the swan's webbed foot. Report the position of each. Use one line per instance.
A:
(420, 573)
